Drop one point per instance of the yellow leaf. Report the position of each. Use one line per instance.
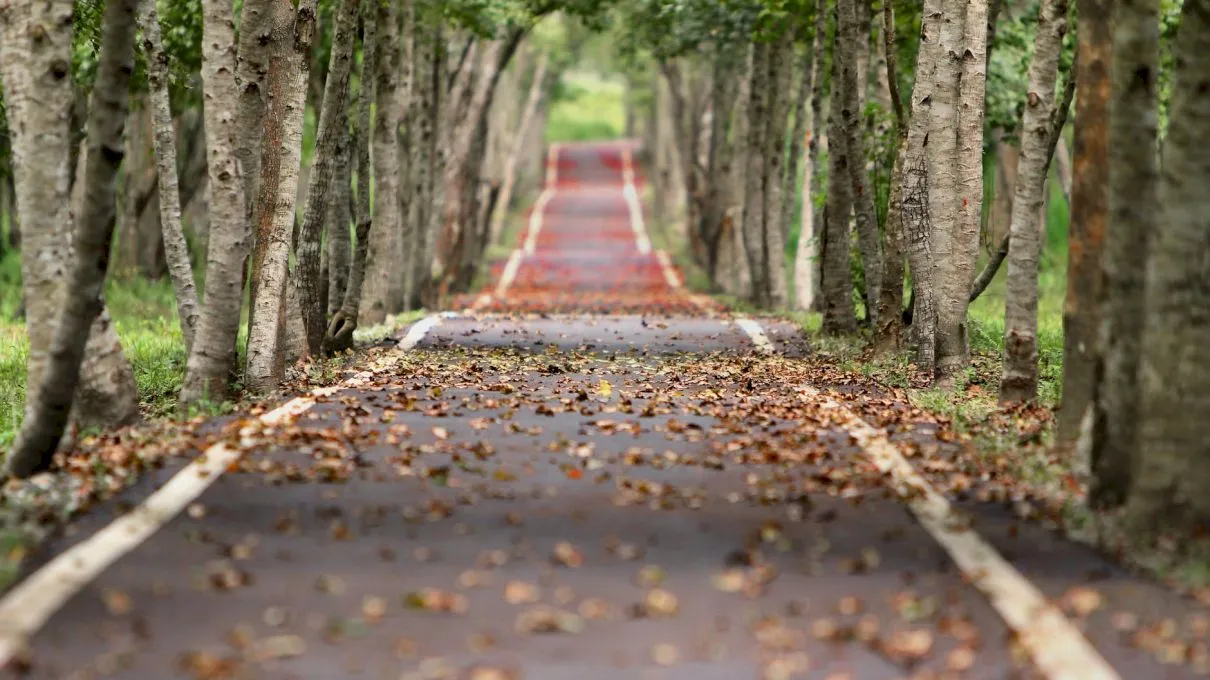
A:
(604, 388)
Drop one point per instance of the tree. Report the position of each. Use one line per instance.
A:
(176, 248)
(1020, 380)
(1168, 494)
(273, 217)
(806, 257)
(212, 358)
(47, 419)
(1133, 206)
(837, 285)
(331, 149)
(1089, 210)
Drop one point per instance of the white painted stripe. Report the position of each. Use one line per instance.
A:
(29, 605)
(547, 195)
(631, 194)
(1058, 649)
(758, 336)
(670, 276)
(510, 272)
(421, 328)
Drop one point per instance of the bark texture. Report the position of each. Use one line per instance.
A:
(331, 148)
(383, 292)
(1020, 380)
(274, 217)
(1133, 207)
(39, 96)
(837, 288)
(1089, 211)
(339, 336)
(340, 217)
(1169, 492)
(849, 35)
(176, 248)
(46, 421)
(917, 189)
(888, 330)
(260, 36)
(754, 170)
(213, 355)
(806, 253)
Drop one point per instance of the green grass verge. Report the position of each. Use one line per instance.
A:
(586, 107)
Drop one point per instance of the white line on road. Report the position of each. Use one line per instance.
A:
(510, 272)
(28, 606)
(548, 194)
(1058, 649)
(421, 328)
(631, 194)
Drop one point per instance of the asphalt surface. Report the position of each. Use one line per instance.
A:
(543, 493)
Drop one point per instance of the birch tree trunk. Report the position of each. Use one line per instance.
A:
(1169, 491)
(537, 90)
(848, 36)
(276, 196)
(213, 356)
(384, 280)
(889, 329)
(806, 254)
(331, 148)
(339, 336)
(917, 191)
(837, 289)
(39, 100)
(260, 37)
(46, 420)
(754, 202)
(781, 60)
(796, 160)
(1089, 209)
(1133, 207)
(1020, 380)
(424, 105)
(176, 248)
(340, 216)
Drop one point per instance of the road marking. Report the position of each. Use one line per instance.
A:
(29, 605)
(510, 272)
(670, 275)
(1058, 649)
(421, 328)
(547, 195)
(631, 194)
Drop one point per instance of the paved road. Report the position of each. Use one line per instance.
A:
(530, 491)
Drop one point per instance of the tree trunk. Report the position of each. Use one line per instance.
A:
(957, 168)
(422, 141)
(537, 90)
(384, 277)
(1089, 209)
(754, 189)
(340, 216)
(46, 420)
(837, 289)
(1168, 495)
(1062, 167)
(339, 336)
(1000, 219)
(213, 356)
(848, 36)
(798, 134)
(1020, 380)
(888, 330)
(917, 190)
(331, 148)
(275, 209)
(781, 60)
(1133, 207)
(806, 256)
(175, 246)
(39, 113)
(260, 36)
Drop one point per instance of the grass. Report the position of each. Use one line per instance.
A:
(587, 107)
